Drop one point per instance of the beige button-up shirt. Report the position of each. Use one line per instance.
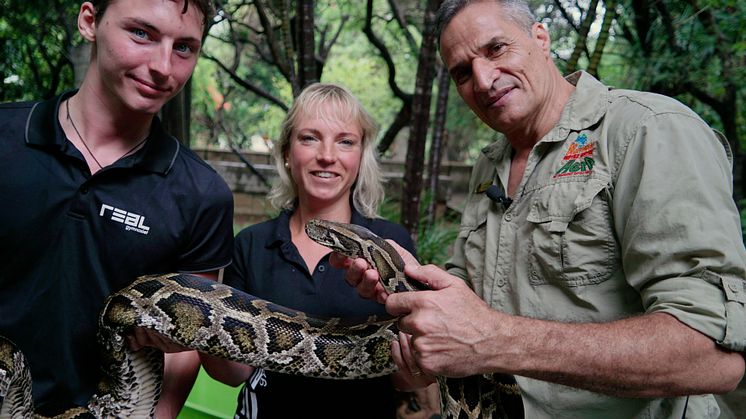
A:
(625, 208)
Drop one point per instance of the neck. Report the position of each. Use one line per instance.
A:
(339, 212)
(523, 137)
(105, 120)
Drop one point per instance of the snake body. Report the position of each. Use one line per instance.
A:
(479, 396)
(216, 319)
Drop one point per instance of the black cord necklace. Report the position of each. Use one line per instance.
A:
(90, 153)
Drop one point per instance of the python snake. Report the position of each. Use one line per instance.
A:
(218, 320)
(479, 396)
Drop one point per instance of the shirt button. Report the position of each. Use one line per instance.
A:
(322, 268)
(508, 217)
(500, 282)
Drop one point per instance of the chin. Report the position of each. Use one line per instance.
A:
(147, 105)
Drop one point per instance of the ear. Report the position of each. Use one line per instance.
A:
(87, 21)
(540, 35)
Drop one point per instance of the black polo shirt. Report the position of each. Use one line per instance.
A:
(267, 264)
(68, 239)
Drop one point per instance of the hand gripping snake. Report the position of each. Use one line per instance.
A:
(218, 320)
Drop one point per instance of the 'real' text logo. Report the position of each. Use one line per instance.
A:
(131, 221)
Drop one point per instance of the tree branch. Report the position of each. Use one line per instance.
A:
(247, 84)
(368, 30)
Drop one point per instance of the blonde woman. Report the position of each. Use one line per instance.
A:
(327, 169)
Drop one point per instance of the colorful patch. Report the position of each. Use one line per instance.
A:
(579, 158)
(483, 186)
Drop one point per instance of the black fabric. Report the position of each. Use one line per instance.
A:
(68, 239)
(267, 264)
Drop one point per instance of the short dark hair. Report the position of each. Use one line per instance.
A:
(517, 11)
(204, 6)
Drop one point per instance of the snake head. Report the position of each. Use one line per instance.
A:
(336, 236)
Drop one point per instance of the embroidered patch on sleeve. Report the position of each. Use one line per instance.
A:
(579, 158)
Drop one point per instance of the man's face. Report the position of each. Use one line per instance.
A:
(146, 51)
(499, 69)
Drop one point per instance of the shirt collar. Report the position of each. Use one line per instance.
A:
(281, 233)
(158, 154)
(585, 107)
(587, 104)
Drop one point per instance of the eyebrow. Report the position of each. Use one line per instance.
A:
(318, 133)
(485, 45)
(492, 41)
(149, 26)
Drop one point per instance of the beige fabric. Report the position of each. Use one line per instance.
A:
(625, 208)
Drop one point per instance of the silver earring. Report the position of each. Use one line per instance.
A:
(287, 165)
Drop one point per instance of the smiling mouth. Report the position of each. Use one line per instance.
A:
(324, 175)
(150, 86)
(495, 99)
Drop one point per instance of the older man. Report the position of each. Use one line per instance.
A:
(610, 277)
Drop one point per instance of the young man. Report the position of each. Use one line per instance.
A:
(96, 193)
(614, 283)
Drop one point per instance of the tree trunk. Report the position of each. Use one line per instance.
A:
(306, 43)
(414, 163)
(572, 63)
(603, 36)
(437, 143)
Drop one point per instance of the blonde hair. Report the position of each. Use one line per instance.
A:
(367, 191)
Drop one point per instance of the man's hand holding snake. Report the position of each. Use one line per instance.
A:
(446, 324)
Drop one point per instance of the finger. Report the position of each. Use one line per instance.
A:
(138, 339)
(407, 354)
(403, 303)
(404, 253)
(339, 260)
(355, 270)
(434, 277)
(369, 285)
(133, 344)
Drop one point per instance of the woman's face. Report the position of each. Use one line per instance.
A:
(324, 157)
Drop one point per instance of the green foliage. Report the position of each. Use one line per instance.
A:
(433, 241)
(242, 117)
(35, 39)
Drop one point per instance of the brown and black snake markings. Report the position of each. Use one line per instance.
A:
(479, 396)
(216, 319)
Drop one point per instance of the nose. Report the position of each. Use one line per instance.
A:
(160, 61)
(327, 152)
(484, 73)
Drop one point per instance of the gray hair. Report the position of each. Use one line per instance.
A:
(367, 191)
(515, 10)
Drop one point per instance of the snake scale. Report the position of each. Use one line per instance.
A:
(216, 319)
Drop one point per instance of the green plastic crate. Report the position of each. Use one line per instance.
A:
(209, 399)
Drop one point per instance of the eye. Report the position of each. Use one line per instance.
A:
(461, 75)
(306, 138)
(139, 33)
(495, 49)
(184, 49)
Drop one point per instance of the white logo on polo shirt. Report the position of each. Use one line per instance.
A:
(131, 221)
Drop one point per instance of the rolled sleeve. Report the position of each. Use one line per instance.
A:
(706, 303)
(735, 311)
(679, 228)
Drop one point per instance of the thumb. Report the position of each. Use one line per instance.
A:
(432, 276)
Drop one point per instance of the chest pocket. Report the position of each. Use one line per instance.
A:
(571, 240)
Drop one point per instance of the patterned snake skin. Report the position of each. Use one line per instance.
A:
(479, 396)
(216, 319)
